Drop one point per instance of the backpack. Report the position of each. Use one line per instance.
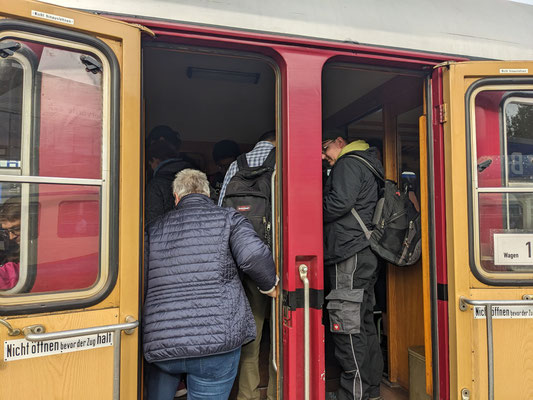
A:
(249, 192)
(396, 236)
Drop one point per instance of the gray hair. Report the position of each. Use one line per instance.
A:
(190, 181)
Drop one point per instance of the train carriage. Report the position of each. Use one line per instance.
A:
(444, 90)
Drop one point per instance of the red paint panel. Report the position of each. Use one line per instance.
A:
(68, 244)
(440, 235)
(70, 138)
(302, 212)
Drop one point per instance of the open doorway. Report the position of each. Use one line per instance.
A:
(215, 101)
(382, 107)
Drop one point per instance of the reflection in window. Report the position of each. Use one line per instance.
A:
(11, 75)
(519, 141)
(50, 238)
(51, 125)
(503, 151)
(9, 243)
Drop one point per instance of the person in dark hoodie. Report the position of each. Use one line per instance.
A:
(350, 265)
(165, 163)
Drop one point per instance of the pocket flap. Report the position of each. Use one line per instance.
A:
(353, 295)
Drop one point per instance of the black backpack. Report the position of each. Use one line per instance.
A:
(249, 192)
(396, 236)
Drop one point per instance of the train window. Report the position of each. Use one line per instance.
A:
(55, 167)
(502, 182)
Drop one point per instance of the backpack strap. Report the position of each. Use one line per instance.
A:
(363, 226)
(270, 161)
(242, 162)
(370, 167)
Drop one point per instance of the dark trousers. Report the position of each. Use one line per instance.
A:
(351, 305)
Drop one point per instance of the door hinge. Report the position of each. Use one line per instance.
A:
(441, 113)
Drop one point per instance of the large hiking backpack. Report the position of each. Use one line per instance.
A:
(249, 192)
(396, 234)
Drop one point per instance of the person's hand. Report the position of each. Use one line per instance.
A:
(273, 293)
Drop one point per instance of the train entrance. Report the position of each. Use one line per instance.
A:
(384, 107)
(211, 105)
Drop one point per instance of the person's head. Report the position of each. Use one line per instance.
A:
(378, 144)
(333, 141)
(224, 153)
(269, 136)
(164, 133)
(189, 181)
(158, 152)
(10, 218)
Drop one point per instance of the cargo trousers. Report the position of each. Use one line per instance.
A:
(249, 375)
(350, 304)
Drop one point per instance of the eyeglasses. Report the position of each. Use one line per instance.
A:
(15, 231)
(325, 145)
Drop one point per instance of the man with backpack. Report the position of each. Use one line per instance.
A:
(350, 265)
(246, 187)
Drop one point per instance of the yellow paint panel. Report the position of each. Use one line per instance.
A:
(89, 374)
(513, 351)
(61, 376)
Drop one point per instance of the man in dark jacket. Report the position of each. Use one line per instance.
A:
(196, 316)
(165, 163)
(350, 265)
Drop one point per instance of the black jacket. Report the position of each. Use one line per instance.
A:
(159, 197)
(350, 184)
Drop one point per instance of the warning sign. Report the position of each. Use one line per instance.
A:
(505, 312)
(21, 348)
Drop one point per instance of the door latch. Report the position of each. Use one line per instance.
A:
(12, 331)
(465, 394)
(33, 329)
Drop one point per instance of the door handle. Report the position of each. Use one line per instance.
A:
(303, 276)
(11, 331)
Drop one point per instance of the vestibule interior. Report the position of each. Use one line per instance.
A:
(207, 96)
(383, 106)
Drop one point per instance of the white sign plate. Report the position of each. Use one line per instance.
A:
(52, 17)
(20, 349)
(505, 312)
(514, 70)
(513, 249)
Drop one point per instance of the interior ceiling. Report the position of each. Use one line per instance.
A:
(210, 110)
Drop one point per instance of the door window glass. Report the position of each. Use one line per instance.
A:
(55, 135)
(502, 172)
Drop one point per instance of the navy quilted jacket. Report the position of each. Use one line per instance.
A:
(195, 303)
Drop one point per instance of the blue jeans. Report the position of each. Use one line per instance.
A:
(208, 378)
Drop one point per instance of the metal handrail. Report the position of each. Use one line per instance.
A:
(303, 276)
(488, 304)
(128, 327)
(273, 336)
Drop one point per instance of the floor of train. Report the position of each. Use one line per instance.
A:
(388, 392)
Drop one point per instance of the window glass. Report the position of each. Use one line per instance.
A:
(518, 113)
(66, 136)
(503, 188)
(11, 73)
(50, 238)
(505, 214)
(52, 126)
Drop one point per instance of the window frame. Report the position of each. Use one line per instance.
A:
(515, 85)
(108, 182)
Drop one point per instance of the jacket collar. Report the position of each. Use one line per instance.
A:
(194, 198)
